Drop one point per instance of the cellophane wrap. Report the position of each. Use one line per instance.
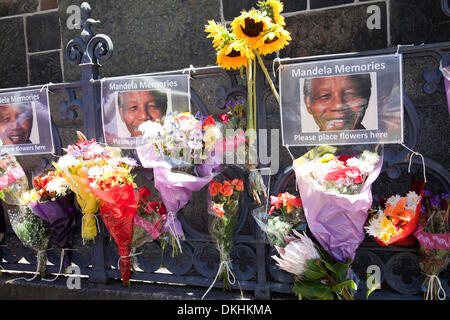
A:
(60, 215)
(335, 219)
(433, 233)
(13, 180)
(117, 210)
(223, 206)
(32, 231)
(175, 188)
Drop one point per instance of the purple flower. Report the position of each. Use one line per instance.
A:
(445, 196)
(427, 193)
(435, 201)
(422, 209)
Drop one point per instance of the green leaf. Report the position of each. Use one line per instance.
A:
(341, 271)
(313, 290)
(345, 284)
(312, 275)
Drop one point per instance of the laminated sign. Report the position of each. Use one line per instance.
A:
(127, 102)
(342, 101)
(25, 124)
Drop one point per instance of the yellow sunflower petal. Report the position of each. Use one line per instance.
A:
(250, 25)
(233, 55)
(276, 38)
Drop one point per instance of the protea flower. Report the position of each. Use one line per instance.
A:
(298, 250)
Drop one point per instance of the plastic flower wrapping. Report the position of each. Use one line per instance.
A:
(336, 195)
(180, 150)
(31, 230)
(397, 218)
(433, 233)
(74, 166)
(285, 214)
(112, 183)
(317, 276)
(52, 200)
(223, 206)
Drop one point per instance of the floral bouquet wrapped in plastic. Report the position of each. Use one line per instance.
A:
(112, 183)
(223, 206)
(433, 233)
(52, 200)
(398, 220)
(285, 214)
(74, 167)
(317, 276)
(13, 180)
(176, 151)
(336, 195)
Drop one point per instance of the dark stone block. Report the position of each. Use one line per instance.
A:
(233, 8)
(148, 36)
(315, 4)
(416, 22)
(334, 31)
(49, 4)
(43, 32)
(13, 7)
(13, 54)
(45, 68)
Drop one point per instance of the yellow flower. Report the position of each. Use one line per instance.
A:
(327, 158)
(234, 55)
(273, 8)
(217, 32)
(273, 39)
(385, 237)
(31, 195)
(250, 25)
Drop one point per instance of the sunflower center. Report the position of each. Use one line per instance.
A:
(234, 54)
(252, 28)
(269, 41)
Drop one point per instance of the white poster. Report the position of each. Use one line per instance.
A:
(342, 101)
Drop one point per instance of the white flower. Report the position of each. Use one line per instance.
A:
(294, 256)
(374, 227)
(122, 160)
(67, 161)
(393, 200)
(151, 130)
(412, 199)
(59, 186)
(371, 157)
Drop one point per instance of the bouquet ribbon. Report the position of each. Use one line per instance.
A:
(439, 241)
(11, 176)
(147, 226)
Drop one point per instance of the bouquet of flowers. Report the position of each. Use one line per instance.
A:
(278, 224)
(32, 231)
(317, 275)
(13, 180)
(52, 200)
(113, 185)
(399, 218)
(236, 140)
(223, 205)
(336, 195)
(182, 140)
(74, 166)
(433, 233)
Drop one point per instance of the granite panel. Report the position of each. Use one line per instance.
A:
(45, 68)
(13, 54)
(14, 7)
(43, 32)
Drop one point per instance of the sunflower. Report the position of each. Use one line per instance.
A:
(275, 38)
(250, 25)
(234, 55)
(216, 31)
(273, 9)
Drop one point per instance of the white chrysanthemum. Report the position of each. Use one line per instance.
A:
(393, 200)
(59, 186)
(374, 227)
(67, 161)
(412, 199)
(122, 160)
(371, 157)
(294, 256)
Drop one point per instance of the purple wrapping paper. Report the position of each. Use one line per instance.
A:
(446, 73)
(60, 214)
(175, 188)
(337, 220)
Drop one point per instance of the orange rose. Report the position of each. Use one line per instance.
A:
(214, 188)
(218, 209)
(227, 190)
(239, 184)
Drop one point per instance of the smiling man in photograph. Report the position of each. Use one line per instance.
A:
(16, 121)
(338, 102)
(136, 107)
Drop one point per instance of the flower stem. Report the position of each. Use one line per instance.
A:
(249, 96)
(266, 73)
